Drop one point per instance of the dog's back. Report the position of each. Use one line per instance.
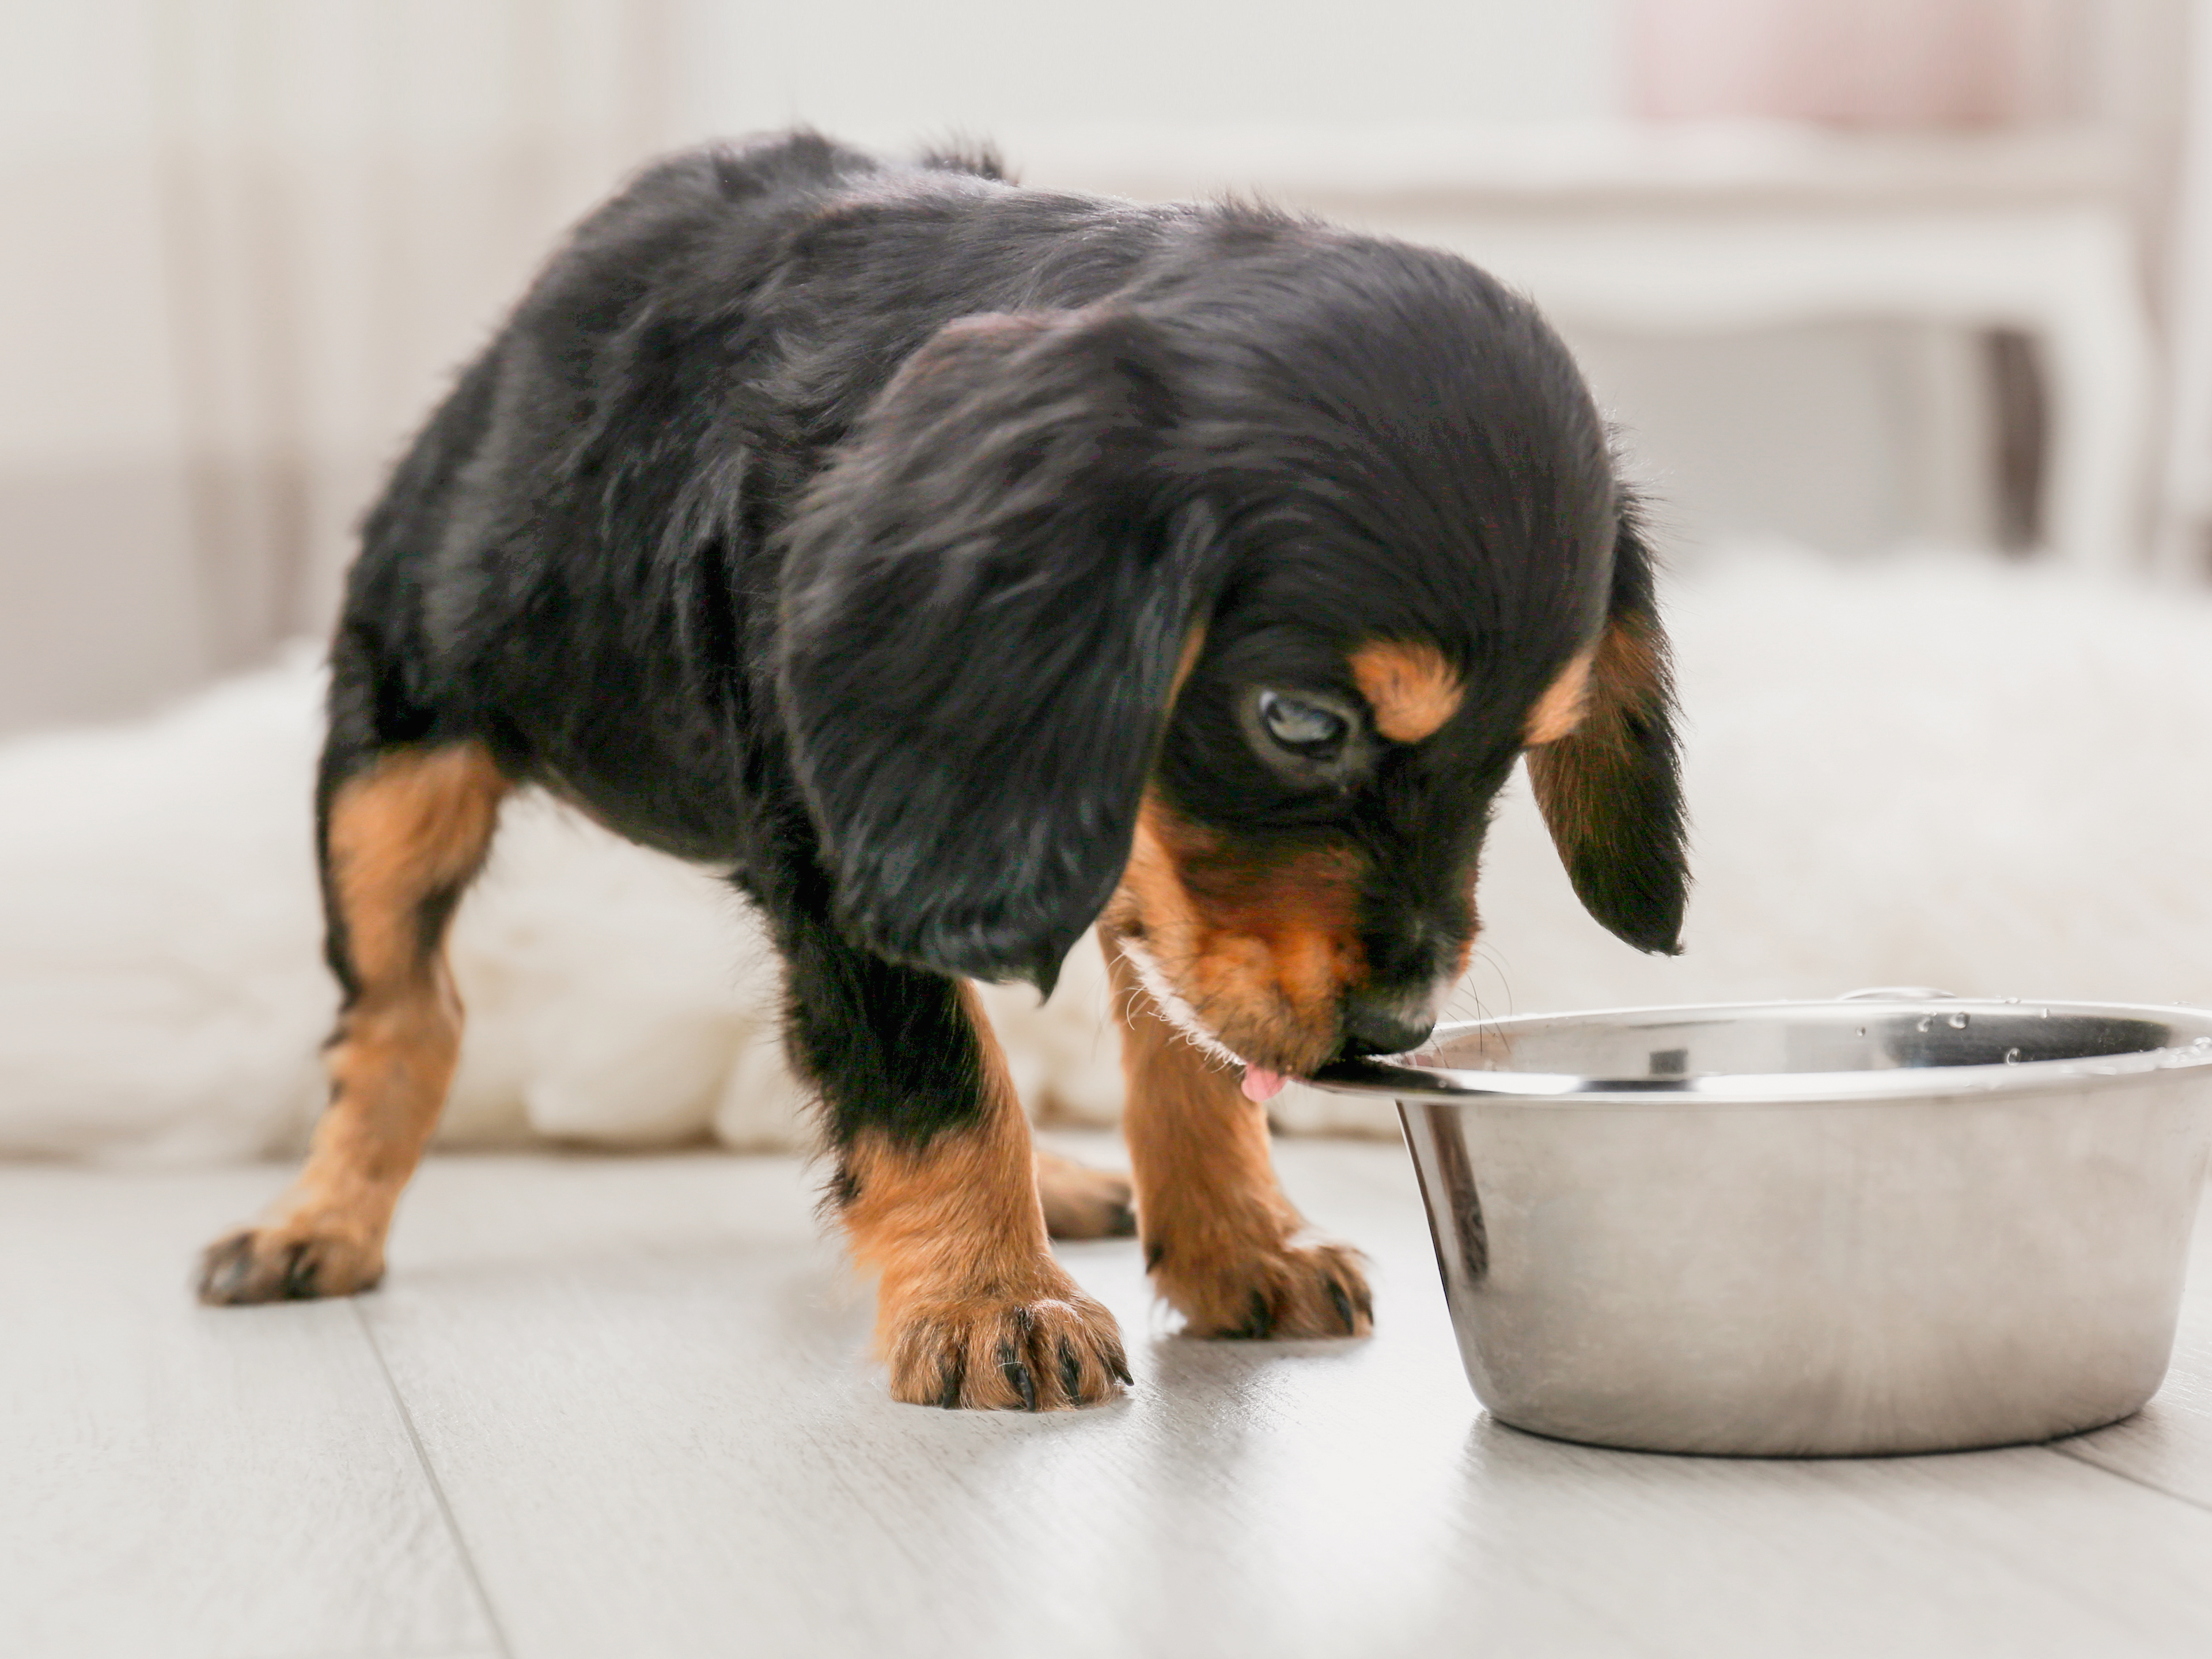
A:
(604, 480)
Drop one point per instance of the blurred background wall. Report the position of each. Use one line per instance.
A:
(248, 240)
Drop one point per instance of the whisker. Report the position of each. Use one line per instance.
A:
(1177, 1012)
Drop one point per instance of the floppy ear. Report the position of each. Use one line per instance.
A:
(987, 598)
(1611, 790)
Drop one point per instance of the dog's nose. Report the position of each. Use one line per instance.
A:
(1379, 1027)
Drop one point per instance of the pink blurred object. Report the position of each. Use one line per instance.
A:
(1854, 63)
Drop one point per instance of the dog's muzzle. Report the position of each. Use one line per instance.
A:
(1386, 1025)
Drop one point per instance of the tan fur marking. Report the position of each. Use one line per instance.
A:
(956, 1235)
(963, 1207)
(1218, 1229)
(1560, 710)
(1151, 880)
(1409, 686)
(416, 821)
(1569, 777)
(415, 826)
(1261, 949)
(1082, 1202)
(1625, 673)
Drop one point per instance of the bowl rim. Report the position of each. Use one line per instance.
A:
(1402, 1077)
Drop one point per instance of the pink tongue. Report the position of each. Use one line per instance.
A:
(1261, 1086)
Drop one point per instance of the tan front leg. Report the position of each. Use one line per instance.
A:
(971, 1309)
(1218, 1233)
(403, 838)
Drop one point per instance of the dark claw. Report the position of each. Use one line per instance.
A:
(1262, 1320)
(1118, 1363)
(221, 1269)
(299, 1274)
(1071, 1370)
(1121, 1222)
(1154, 1255)
(1343, 1307)
(1018, 1374)
(1366, 1301)
(948, 1396)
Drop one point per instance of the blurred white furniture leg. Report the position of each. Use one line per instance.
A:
(2098, 357)
(2185, 519)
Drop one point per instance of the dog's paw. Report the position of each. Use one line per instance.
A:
(1283, 1290)
(1003, 1354)
(1081, 1202)
(287, 1262)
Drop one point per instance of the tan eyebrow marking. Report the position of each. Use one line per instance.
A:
(1410, 686)
(1564, 701)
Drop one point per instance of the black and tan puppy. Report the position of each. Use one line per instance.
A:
(960, 566)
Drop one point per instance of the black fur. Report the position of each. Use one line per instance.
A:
(845, 524)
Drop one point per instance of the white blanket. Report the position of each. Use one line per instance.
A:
(1941, 771)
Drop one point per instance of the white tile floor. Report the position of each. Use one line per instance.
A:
(608, 1407)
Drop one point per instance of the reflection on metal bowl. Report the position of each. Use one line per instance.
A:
(1896, 1222)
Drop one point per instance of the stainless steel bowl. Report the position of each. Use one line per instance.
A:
(1895, 1223)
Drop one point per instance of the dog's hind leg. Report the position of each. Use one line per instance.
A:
(1081, 1202)
(401, 835)
(936, 1186)
(1223, 1243)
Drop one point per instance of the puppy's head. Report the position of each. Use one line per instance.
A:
(1224, 611)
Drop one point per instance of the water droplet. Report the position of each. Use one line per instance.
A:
(2200, 1040)
(2046, 1013)
(1927, 1023)
(2012, 1056)
(1958, 1021)
(2011, 1000)
(2202, 1043)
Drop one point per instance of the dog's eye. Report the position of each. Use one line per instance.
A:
(1302, 728)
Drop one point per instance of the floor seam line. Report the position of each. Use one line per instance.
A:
(2087, 1461)
(500, 1642)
